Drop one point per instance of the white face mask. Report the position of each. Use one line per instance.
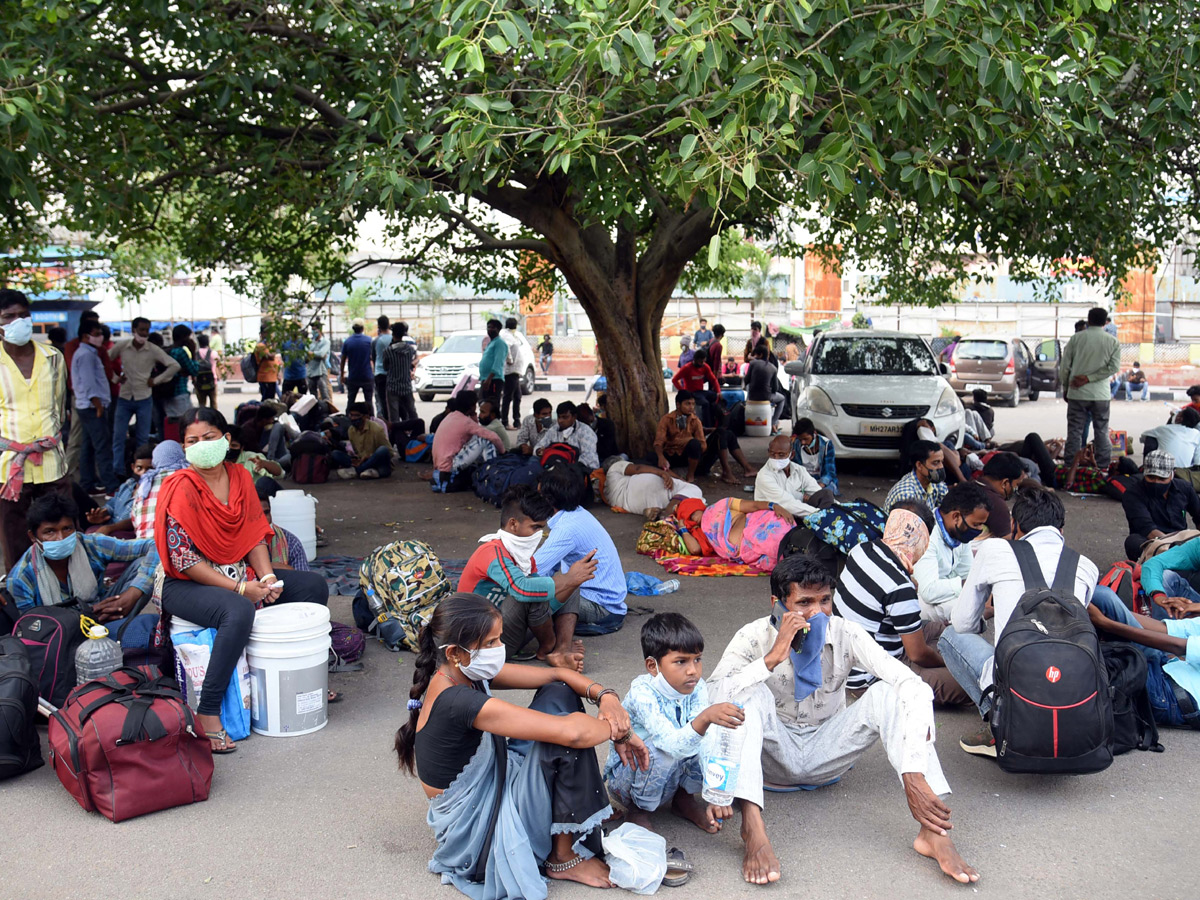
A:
(664, 688)
(926, 435)
(19, 332)
(520, 548)
(780, 464)
(485, 664)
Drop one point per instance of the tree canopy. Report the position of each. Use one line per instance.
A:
(620, 138)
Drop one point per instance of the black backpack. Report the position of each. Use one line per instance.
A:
(1133, 716)
(492, 478)
(20, 750)
(1053, 712)
(51, 634)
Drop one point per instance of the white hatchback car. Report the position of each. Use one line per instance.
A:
(861, 387)
(439, 372)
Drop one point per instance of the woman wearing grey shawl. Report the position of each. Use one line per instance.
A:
(512, 790)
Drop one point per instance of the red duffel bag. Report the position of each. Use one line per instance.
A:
(127, 744)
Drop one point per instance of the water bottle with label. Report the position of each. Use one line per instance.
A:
(667, 587)
(375, 604)
(723, 764)
(98, 656)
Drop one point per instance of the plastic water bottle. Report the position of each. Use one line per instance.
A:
(374, 603)
(98, 656)
(667, 587)
(723, 764)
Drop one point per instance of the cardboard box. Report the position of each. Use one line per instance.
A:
(1120, 442)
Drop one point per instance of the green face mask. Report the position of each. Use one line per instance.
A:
(207, 454)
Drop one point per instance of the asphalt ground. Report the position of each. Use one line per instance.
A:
(328, 815)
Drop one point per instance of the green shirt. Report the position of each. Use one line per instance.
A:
(1094, 353)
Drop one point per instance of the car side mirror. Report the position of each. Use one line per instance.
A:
(945, 369)
(795, 367)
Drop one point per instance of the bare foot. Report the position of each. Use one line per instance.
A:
(941, 848)
(638, 816)
(592, 872)
(730, 478)
(749, 473)
(688, 807)
(426, 475)
(760, 864)
(572, 660)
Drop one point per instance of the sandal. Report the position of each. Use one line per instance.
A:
(223, 737)
(679, 870)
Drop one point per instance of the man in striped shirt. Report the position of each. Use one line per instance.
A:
(876, 591)
(33, 393)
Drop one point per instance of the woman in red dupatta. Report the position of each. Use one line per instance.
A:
(212, 539)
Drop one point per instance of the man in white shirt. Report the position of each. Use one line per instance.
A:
(1180, 438)
(512, 376)
(788, 484)
(798, 728)
(1038, 518)
(945, 565)
(569, 431)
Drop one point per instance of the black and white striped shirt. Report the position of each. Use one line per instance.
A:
(876, 592)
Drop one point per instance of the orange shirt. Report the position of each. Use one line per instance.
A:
(268, 364)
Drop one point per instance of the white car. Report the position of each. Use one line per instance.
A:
(460, 352)
(861, 387)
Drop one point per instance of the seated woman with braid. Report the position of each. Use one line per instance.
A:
(212, 538)
(512, 790)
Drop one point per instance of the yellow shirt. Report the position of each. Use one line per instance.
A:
(33, 409)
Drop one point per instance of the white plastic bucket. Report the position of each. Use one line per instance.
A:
(758, 418)
(297, 512)
(288, 656)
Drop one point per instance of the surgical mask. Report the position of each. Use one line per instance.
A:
(780, 464)
(664, 688)
(936, 476)
(207, 454)
(543, 422)
(60, 549)
(139, 341)
(96, 340)
(19, 332)
(926, 434)
(485, 664)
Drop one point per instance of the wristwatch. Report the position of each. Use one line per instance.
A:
(771, 506)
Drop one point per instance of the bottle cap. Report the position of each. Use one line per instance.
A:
(92, 629)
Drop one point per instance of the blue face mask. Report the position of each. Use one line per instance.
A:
(60, 549)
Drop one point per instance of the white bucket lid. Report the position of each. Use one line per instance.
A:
(288, 620)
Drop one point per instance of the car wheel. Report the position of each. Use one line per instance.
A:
(1033, 395)
(1015, 400)
(427, 396)
(527, 382)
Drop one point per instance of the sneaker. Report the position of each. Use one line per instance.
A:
(981, 743)
(368, 473)
(346, 474)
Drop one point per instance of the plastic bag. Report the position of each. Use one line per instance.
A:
(641, 584)
(637, 858)
(193, 649)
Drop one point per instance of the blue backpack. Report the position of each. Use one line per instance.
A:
(494, 477)
(846, 525)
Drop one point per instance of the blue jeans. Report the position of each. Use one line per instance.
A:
(1158, 685)
(1175, 585)
(594, 619)
(95, 452)
(1143, 389)
(380, 461)
(126, 410)
(965, 656)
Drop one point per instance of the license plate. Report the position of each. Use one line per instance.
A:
(880, 427)
(978, 387)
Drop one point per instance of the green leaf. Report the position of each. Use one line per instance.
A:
(1014, 73)
(933, 8)
(749, 175)
(509, 30)
(714, 250)
(480, 103)
(643, 46)
(687, 145)
(987, 70)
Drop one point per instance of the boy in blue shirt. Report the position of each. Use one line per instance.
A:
(670, 712)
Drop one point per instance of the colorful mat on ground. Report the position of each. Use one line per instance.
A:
(342, 572)
(704, 565)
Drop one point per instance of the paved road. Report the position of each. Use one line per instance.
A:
(329, 816)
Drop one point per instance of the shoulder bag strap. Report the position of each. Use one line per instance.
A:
(1064, 577)
(1031, 569)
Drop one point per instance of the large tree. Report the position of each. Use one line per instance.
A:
(616, 140)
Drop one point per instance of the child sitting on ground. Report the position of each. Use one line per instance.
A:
(114, 517)
(670, 712)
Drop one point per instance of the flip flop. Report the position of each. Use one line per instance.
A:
(223, 737)
(792, 788)
(677, 863)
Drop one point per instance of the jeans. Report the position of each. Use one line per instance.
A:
(267, 389)
(400, 407)
(233, 617)
(1143, 389)
(1174, 585)
(381, 409)
(965, 656)
(776, 400)
(126, 410)
(95, 451)
(595, 619)
(353, 387)
(1160, 688)
(318, 385)
(380, 461)
(512, 398)
(1077, 412)
(277, 448)
(546, 360)
(299, 385)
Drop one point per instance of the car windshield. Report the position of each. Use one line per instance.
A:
(873, 356)
(462, 343)
(981, 350)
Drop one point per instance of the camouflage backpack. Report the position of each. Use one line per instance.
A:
(409, 581)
